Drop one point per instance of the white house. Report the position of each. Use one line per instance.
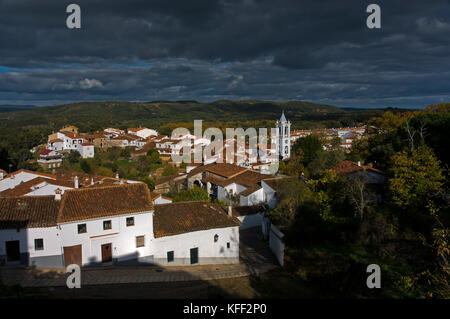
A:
(86, 150)
(71, 140)
(18, 177)
(112, 132)
(142, 132)
(114, 225)
(229, 182)
(160, 199)
(50, 159)
(28, 233)
(195, 232)
(270, 187)
(56, 144)
(39, 186)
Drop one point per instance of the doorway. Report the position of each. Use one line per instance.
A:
(194, 256)
(13, 250)
(72, 255)
(106, 253)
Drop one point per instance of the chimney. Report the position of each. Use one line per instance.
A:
(76, 181)
(230, 211)
(117, 175)
(359, 163)
(92, 181)
(58, 194)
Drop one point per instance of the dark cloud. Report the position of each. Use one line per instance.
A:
(206, 50)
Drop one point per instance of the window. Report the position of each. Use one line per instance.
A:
(39, 244)
(106, 225)
(82, 228)
(170, 256)
(130, 221)
(228, 245)
(140, 241)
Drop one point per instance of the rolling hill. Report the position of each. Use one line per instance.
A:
(94, 115)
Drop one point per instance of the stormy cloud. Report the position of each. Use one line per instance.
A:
(143, 50)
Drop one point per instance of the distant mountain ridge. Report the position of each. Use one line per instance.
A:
(155, 113)
(96, 115)
(13, 108)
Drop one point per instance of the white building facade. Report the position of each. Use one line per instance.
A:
(114, 225)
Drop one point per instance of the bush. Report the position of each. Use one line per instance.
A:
(194, 194)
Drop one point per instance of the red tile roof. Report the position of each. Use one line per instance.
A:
(183, 217)
(348, 167)
(56, 140)
(29, 211)
(45, 152)
(87, 203)
(26, 187)
(31, 172)
(222, 169)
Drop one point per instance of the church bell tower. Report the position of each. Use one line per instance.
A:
(284, 137)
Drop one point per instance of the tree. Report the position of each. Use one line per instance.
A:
(169, 170)
(150, 183)
(153, 157)
(126, 152)
(359, 194)
(113, 154)
(85, 166)
(328, 192)
(308, 147)
(73, 157)
(293, 167)
(104, 171)
(291, 193)
(416, 177)
(194, 194)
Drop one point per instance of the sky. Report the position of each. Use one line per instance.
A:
(207, 50)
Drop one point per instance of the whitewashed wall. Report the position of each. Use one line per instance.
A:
(254, 198)
(50, 235)
(122, 237)
(249, 221)
(161, 200)
(222, 192)
(271, 198)
(146, 133)
(209, 252)
(276, 243)
(86, 151)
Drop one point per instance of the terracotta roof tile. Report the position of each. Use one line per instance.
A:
(29, 211)
(45, 152)
(87, 203)
(222, 169)
(183, 217)
(348, 167)
(274, 183)
(31, 172)
(26, 187)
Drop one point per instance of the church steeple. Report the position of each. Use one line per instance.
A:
(284, 137)
(283, 118)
